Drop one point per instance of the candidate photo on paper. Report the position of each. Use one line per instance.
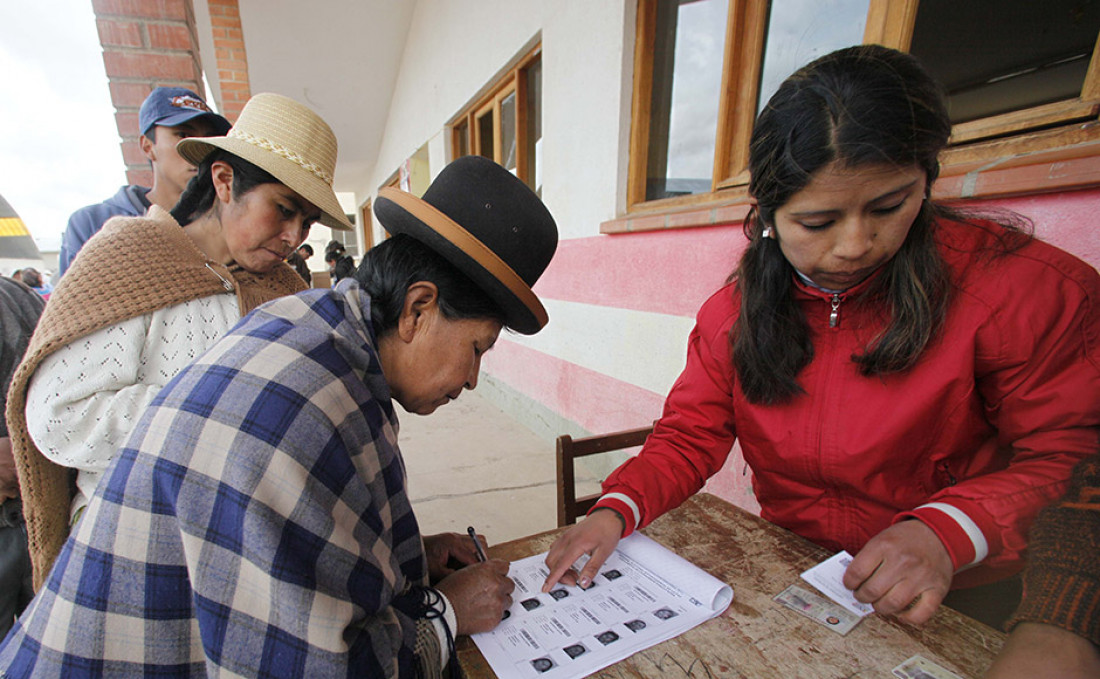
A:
(543, 664)
(530, 604)
(575, 650)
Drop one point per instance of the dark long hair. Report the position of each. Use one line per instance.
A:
(389, 268)
(198, 196)
(859, 106)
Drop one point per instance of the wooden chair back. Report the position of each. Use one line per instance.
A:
(571, 507)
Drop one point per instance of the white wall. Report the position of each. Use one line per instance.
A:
(456, 48)
(583, 107)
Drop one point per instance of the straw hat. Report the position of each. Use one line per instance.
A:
(489, 225)
(289, 141)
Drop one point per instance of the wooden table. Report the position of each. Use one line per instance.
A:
(756, 637)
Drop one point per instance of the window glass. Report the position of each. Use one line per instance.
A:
(508, 131)
(1038, 54)
(799, 31)
(687, 81)
(485, 134)
(462, 140)
(534, 126)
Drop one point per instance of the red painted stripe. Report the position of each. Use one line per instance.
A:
(668, 272)
(593, 400)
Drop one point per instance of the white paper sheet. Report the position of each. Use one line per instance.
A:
(828, 576)
(643, 595)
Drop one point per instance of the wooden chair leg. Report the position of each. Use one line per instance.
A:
(567, 491)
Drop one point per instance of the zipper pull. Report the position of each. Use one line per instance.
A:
(834, 315)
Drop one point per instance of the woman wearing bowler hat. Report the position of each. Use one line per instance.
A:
(103, 350)
(257, 522)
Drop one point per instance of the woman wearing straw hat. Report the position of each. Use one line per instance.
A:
(103, 351)
(257, 521)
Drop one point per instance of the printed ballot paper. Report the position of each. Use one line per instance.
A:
(643, 595)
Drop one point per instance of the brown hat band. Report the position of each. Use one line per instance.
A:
(474, 248)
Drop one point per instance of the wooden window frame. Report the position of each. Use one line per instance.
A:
(513, 81)
(1051, 134)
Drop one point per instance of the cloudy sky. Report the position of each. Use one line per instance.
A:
(59, 149)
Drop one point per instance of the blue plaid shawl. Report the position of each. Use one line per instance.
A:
(256, 524)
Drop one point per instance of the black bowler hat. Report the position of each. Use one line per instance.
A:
(487, 223)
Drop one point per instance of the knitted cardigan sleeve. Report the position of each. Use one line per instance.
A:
(1062, 579)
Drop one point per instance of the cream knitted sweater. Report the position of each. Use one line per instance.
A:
(85, 397)
(163, 268)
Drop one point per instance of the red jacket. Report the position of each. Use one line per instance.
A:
(973, 440)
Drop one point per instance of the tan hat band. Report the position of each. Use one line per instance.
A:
(470, 245)
(282, 151)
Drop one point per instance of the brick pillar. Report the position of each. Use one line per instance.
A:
(232, 61)
(146, 44)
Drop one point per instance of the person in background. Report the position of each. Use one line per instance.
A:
(33, 280)
(167, 115)
(908, 383)
(257, 522)
(19, 312)
(101, 353)
(1056, 630)
(297, 259)
(340, 264)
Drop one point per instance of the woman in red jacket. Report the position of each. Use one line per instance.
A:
(907, 383)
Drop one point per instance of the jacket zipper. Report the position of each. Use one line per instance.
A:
(946, 471)
(834, 315)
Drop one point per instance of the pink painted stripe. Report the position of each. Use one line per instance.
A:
(674, 271)
(669, 272)
(601, 404)
(593, 400)
(1067, 220)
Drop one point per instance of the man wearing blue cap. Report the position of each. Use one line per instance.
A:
(167, 115)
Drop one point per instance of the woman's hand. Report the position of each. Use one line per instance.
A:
(596, 536)
(904, 571)
(1038, 650)
(447, 552)
(479, 594)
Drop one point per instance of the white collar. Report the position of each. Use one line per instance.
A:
(807, 281)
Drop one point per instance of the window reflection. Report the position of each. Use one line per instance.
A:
(508, 131)
(800, 31)
(687, 79)
(534, 126)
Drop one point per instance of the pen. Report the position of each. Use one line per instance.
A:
(477, 544)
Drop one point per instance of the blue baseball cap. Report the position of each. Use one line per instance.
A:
(171, 106)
